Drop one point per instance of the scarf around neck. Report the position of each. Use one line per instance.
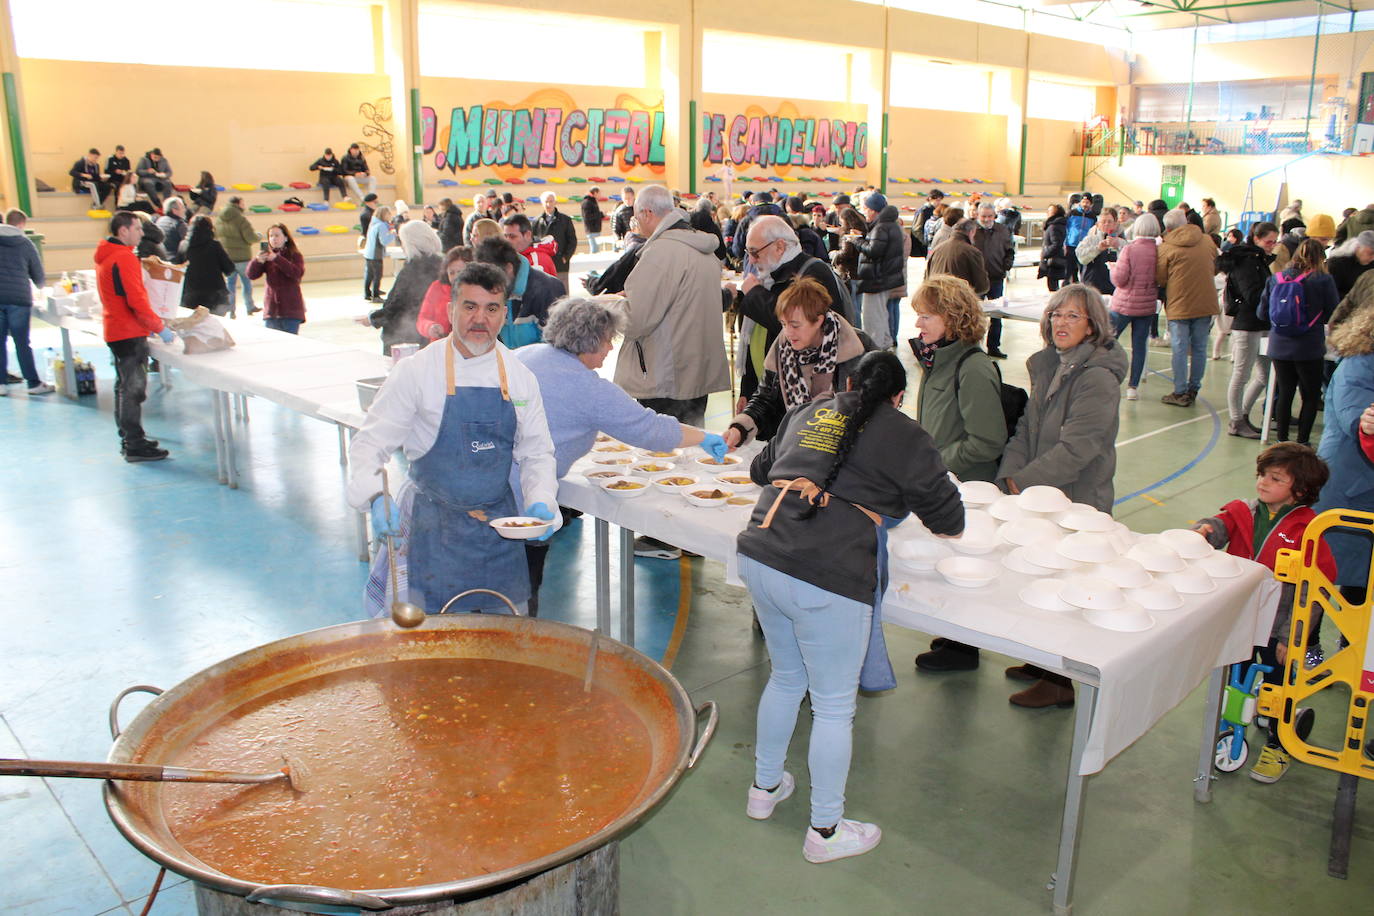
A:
(796, 388)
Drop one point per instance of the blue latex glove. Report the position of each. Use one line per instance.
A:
(166, 335)
(714, 446)
(541, 511)
(384, 523)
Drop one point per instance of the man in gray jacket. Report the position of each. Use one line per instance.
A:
(239, 239)
(173, 224)
(995, 241)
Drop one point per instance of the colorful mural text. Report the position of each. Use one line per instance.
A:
(763, 140)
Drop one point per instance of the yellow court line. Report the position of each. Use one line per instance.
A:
(684, 608)
(1157, 502)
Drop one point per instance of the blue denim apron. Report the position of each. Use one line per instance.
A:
(462, 483)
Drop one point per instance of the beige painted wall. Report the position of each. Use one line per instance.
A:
(241, 125)
(1049, 144)
(946, 144)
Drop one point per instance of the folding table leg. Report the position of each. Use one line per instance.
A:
(221, 469)
(69, 365)
(1202, 783)
(1061, 882)
(1268, 406)
(627, 586)
(231, 458)
(603, 576)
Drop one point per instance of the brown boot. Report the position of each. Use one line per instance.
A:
(1043, 693)
(1025, 673)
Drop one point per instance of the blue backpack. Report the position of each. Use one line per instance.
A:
(1287, 306)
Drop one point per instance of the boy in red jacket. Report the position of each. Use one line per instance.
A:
(129, 319)
(1289, 479)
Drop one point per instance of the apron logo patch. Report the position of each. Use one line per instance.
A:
(482, 446)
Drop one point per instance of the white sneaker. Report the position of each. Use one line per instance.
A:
(851, 838)
(4, 390)
(1132, 394)
(762, 802)
(42, 388)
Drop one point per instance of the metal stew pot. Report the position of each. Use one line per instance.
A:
(174, 720)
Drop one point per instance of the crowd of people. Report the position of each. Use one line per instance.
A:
(509, 399)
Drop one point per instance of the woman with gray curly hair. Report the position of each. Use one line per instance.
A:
(1066, 438)
(579, 403)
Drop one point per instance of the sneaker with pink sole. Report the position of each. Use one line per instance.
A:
(851, 838)
(762, 802)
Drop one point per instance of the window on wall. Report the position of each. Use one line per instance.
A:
(1238, 100)
(1061, 101)
(734, 64)
(555, 49)
(920, 82)
(241, 37)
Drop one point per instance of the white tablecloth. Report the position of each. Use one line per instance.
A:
(1020, 307)
(1141, 676)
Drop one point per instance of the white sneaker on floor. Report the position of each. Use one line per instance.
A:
(851, 838)
(4, 390)
(1132, 394)
(42, 388)
(762, 802)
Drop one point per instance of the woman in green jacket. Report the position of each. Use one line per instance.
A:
(960, 405)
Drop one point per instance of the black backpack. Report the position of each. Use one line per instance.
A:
(1014, 399)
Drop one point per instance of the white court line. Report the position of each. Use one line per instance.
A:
(1163, 429)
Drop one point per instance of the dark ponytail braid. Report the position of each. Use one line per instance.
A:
(879, 377)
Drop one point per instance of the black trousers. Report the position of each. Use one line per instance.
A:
(1291, 376)
(131, 388)
(536, 554)
(691, 411)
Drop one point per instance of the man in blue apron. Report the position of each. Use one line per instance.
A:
(465, 412)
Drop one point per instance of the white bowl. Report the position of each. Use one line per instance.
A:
(613, 448)
(974, 543)
(1129, 619)
(919, 553)
(1157, 596)
(709, 463)
(1092, 592)
(624, 490)
(697, 495)
(979, 493)
(519, 527)
(1044, 594)
(691, 481)
(1008, 509)
(739, 501)
(652, 466)
(1186, 543)
(613, 462)
(743, 484)
(1124, 572)
(967, 572)
(1087, 547)
(1191, 581)
(978, 522)
(1016, 561)
(1023, 531)
(1220, 565)
(667, 457)
(1044, 499)
(1090, 520)
(597, 474)
(1155, 557)
(1047, 556)
(1122, 538)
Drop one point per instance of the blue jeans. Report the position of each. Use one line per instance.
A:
(289, 325)
(240, 275)
(1188, 339)
(1140, 326)
(816, 643)
(593, 241)
(14, 322)
(894, 317)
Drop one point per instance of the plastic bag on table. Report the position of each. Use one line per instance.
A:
(201, 332)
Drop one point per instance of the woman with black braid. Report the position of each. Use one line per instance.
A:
(839, 472)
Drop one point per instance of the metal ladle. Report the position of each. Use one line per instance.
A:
(403, 613)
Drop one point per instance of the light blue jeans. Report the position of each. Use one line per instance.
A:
(816, 643)
(594, 241)
(240, 275)
(1188, 339)
(874, 309)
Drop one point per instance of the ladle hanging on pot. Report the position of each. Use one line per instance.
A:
(403, 613)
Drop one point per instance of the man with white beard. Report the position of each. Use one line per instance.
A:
(467, 415)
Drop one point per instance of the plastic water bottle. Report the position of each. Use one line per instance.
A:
(65, 283)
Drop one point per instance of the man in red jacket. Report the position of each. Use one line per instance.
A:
(129, 319)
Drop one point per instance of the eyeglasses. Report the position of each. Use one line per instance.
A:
(1066, 317)
(755, 252)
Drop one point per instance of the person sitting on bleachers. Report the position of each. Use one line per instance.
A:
(155, 176)
(330, 171)
(87, 178)
(354, 169)
(118, 170)
(204, 194)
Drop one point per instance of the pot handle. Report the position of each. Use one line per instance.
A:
(292, 896)
(114, 707)
(712, 716)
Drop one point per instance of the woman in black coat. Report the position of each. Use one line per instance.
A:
(207, 265)
(1054, 265)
